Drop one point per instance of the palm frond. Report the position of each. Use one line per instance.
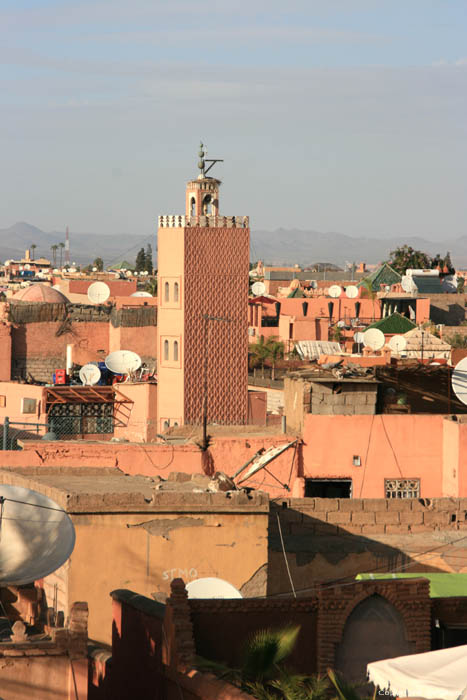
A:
(345, 691)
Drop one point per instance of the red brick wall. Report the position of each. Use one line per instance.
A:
(118, 288)
(216, 283)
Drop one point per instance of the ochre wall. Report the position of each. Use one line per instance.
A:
(42, 677)
(116, 551)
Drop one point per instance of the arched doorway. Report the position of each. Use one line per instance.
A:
(374, 630)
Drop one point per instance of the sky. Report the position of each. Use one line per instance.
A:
(331, 115)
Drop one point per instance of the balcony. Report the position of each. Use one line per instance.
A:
(179, 221)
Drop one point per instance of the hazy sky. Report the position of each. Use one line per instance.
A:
(337, 115)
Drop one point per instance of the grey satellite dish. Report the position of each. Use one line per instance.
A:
(141, 294)
(263, 460)
(358, 337)
(374, 338)
(89, 374)
(37, 536)
(449, 284)
(258, 288)
(407, 284)
(211, 587)
(459, 380)
(98, 292)
(335, 291)
(397, 343)
(123, 362)
(351, 291)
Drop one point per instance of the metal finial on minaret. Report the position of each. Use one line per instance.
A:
(201, 162)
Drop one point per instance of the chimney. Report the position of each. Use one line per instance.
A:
(27, 255)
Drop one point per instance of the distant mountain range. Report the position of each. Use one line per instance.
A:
(282, 246)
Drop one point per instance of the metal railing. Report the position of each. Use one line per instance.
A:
(13, 431)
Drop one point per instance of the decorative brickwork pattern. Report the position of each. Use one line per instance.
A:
(335, 604)
(216, 283)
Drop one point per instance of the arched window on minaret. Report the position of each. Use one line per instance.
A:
(176, 291)
(175, 350)
(166, 349)
(207, 205)
(192, 206)
(166, 291)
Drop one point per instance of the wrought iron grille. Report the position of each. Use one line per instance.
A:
(72, 419)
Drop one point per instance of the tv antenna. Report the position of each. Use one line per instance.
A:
(203, 171)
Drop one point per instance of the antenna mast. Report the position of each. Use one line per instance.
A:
(67, 247)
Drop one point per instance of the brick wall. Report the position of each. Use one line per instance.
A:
(328, 540)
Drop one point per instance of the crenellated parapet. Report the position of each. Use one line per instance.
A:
(180, 221)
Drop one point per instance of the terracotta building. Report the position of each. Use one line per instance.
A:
(203, 263)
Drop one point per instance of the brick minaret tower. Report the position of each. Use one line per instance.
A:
(203, 261)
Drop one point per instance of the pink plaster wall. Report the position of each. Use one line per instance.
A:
(139, 419)
(390, 446)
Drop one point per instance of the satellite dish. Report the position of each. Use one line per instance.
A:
(449, 284)
(374, 338)
(397, 343)
(314, 284)
(358, 337)
(211, 588)
(135, 273)
(89, 374)
(341, 324)
(94, 269)
(407, 283)
(56, 270)
(145, 272)
(123, 362)
(459, 380)
(98, 292)
(37, 536)
(258, 288)
(141, 294)
(72, 269)
(56, 286)
(263, 460)
(27, 266)
(128, 273)
(335, 291)
(351, 291)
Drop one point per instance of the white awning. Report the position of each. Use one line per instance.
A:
(435, 674)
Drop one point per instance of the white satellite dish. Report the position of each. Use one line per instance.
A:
(145, 272)
(56, 270)
(341, 324)
(72, 269)
(94, 269)
(351, 291)
(56, 286)
(20, 267)
(37, 536)
(459, 380)
(98, 292)
(358, 337)
(27, 266)
(258, 288)
(136, 273)
(123, 361)
(374, 338)
(141, 294)
(89, 374)
(128, 273)
(335, 291)
(397, 343)
(407, 284)
(211, 587)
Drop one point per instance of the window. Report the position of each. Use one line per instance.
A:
(328, 488)
(166, 291)
(192, 206)
(402, 488)
(176, 291)
(166, 424)
(166, 349)
(175, 350)
(207, 205)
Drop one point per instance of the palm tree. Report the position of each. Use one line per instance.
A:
(262, 673)
(276, 352)
(370, 293)
(61, 246)
(54, 249)
(33, 248)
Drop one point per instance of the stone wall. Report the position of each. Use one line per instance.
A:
(447, 308)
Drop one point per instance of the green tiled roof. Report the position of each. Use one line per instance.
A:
(396, 323)
(385, 274)
(428, 285)
(442, 585)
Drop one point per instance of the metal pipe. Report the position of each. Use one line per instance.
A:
(6, 425)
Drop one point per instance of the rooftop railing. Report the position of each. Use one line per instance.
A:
(179, 221)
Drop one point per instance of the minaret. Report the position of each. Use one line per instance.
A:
(203, 262)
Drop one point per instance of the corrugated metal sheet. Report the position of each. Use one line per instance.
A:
(312, 349)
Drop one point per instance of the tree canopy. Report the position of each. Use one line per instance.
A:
(407, 258)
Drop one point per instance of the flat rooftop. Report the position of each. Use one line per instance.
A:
(109, 490)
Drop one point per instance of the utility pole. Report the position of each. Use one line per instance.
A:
(208, 318)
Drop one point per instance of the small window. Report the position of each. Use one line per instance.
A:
(402, 488)
(192, 206)
(166, 291)
(175, 350)
(175, 424)
(166, 424)
(328, 488)
(176, 291)
(166, 349)
(207, 205)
